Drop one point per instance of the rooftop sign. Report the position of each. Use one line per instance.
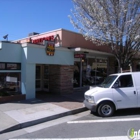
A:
(40, 40)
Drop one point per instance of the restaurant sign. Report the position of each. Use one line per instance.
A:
(40, 40)
(79, 55)
(50, 49)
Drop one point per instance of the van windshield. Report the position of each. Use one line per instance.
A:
(108, 81)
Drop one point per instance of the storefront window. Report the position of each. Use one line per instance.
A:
(2, 66)
(10, 66)
(42, 77)
(10, 83)
(38, 84)
(38, 72)
(46, 72)
(46, 84)
(46, 77)
(76, 76)
(95, 71)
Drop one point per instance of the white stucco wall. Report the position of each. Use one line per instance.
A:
(29, 55)
(10, 52)
(36, 54)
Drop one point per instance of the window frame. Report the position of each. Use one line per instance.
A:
(120, 81)
(18, 67)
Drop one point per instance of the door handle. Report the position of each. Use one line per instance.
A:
(134, 92)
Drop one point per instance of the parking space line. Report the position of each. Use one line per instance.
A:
(104, 120)
(93, 138)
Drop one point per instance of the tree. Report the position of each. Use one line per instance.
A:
(110, 22)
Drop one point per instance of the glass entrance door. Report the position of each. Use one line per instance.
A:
(45, 78)
(38, 77)
(42, 77)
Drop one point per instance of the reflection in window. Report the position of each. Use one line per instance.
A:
(38, 84)
(9, 83)
(38, 72)
(46, 72)
(2, 66)
(46, 84)
(125, 81)
(76, 74)
(108, 81)
(10, 66)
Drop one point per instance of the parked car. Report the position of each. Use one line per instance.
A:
(118, 91)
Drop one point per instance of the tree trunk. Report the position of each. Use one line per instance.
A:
(119, 65)
(123, 66)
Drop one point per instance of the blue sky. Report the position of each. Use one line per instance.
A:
(21, 17)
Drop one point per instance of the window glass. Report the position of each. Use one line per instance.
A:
(38, 84)
(125, 81)
(13, 66)
(2, 66)
(10, 83)
(46, 72)
(108, 81)
(10, 66)
(38, 72)
(46, 84)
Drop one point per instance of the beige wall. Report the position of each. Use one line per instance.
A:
(71, 39)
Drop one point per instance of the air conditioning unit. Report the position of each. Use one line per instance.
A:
(33, 33)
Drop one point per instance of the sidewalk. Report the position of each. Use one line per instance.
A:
(45, 107)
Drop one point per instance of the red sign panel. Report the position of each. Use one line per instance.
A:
(40, 40)
(79, 55)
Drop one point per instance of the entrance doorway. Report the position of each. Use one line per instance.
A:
(42, 78)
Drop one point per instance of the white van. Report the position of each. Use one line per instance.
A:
(118, 91)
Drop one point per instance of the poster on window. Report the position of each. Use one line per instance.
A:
(11, 66)
(11, 79)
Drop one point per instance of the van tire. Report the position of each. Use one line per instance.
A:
(106, 109)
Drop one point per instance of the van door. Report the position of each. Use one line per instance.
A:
(136, 77)
(124, 93)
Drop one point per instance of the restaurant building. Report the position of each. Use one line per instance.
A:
(56, 62)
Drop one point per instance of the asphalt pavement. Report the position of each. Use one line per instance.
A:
(46, 107)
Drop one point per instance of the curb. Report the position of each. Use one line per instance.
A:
(45, 119)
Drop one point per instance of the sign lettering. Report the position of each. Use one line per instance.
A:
(40, 40)
(79, 55)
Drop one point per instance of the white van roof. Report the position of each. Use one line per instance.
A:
(126, 73)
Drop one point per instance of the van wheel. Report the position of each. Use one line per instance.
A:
(106, 109)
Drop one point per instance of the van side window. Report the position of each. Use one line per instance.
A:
(125, 81)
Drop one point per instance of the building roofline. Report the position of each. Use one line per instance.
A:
(46, 33)
(9, 42)
(78, 49)
(71, 31)
(38, 34)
